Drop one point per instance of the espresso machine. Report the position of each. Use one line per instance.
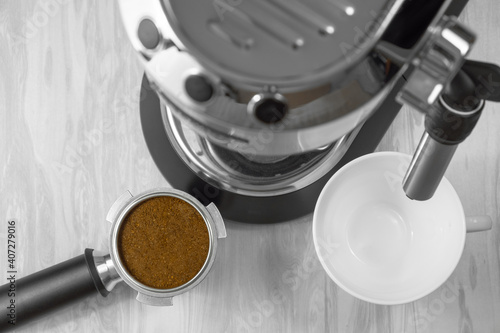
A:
(254, 104)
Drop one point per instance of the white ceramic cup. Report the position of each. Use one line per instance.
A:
(380, 246)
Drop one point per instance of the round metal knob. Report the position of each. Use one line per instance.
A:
(268, 108)
(199, 88)
(148, 34)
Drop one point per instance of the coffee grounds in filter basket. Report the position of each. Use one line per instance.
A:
(163, 242)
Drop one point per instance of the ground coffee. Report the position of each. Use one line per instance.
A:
(163, 242)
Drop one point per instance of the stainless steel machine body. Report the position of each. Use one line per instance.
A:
(262, 98)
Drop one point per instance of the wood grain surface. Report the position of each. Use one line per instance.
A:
(71, 143)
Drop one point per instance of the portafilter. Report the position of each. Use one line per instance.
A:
(40, 293)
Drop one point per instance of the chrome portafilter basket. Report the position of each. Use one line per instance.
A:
(116, 271)
(55, 287)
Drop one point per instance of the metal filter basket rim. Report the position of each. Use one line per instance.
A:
(128, 277)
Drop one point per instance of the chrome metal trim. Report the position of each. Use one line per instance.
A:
(106, 270)
(201, 160)
(437, 63)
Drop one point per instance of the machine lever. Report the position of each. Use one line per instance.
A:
(486, 78)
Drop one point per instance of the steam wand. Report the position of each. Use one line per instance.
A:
(449, 122)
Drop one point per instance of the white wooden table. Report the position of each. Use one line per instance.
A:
(71, 143)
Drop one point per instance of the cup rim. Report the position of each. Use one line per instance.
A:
(356, 294)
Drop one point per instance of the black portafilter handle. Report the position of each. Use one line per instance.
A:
(41, 293)
(449, 122)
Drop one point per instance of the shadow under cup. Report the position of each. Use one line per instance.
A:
(379, 245)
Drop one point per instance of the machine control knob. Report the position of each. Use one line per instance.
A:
(199, 88)
(269, 108)
(148, 34)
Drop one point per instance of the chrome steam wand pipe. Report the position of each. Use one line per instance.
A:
(427, 168)
(448, 122)
(445, 128)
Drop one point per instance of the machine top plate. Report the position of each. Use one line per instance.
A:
(277, 42)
